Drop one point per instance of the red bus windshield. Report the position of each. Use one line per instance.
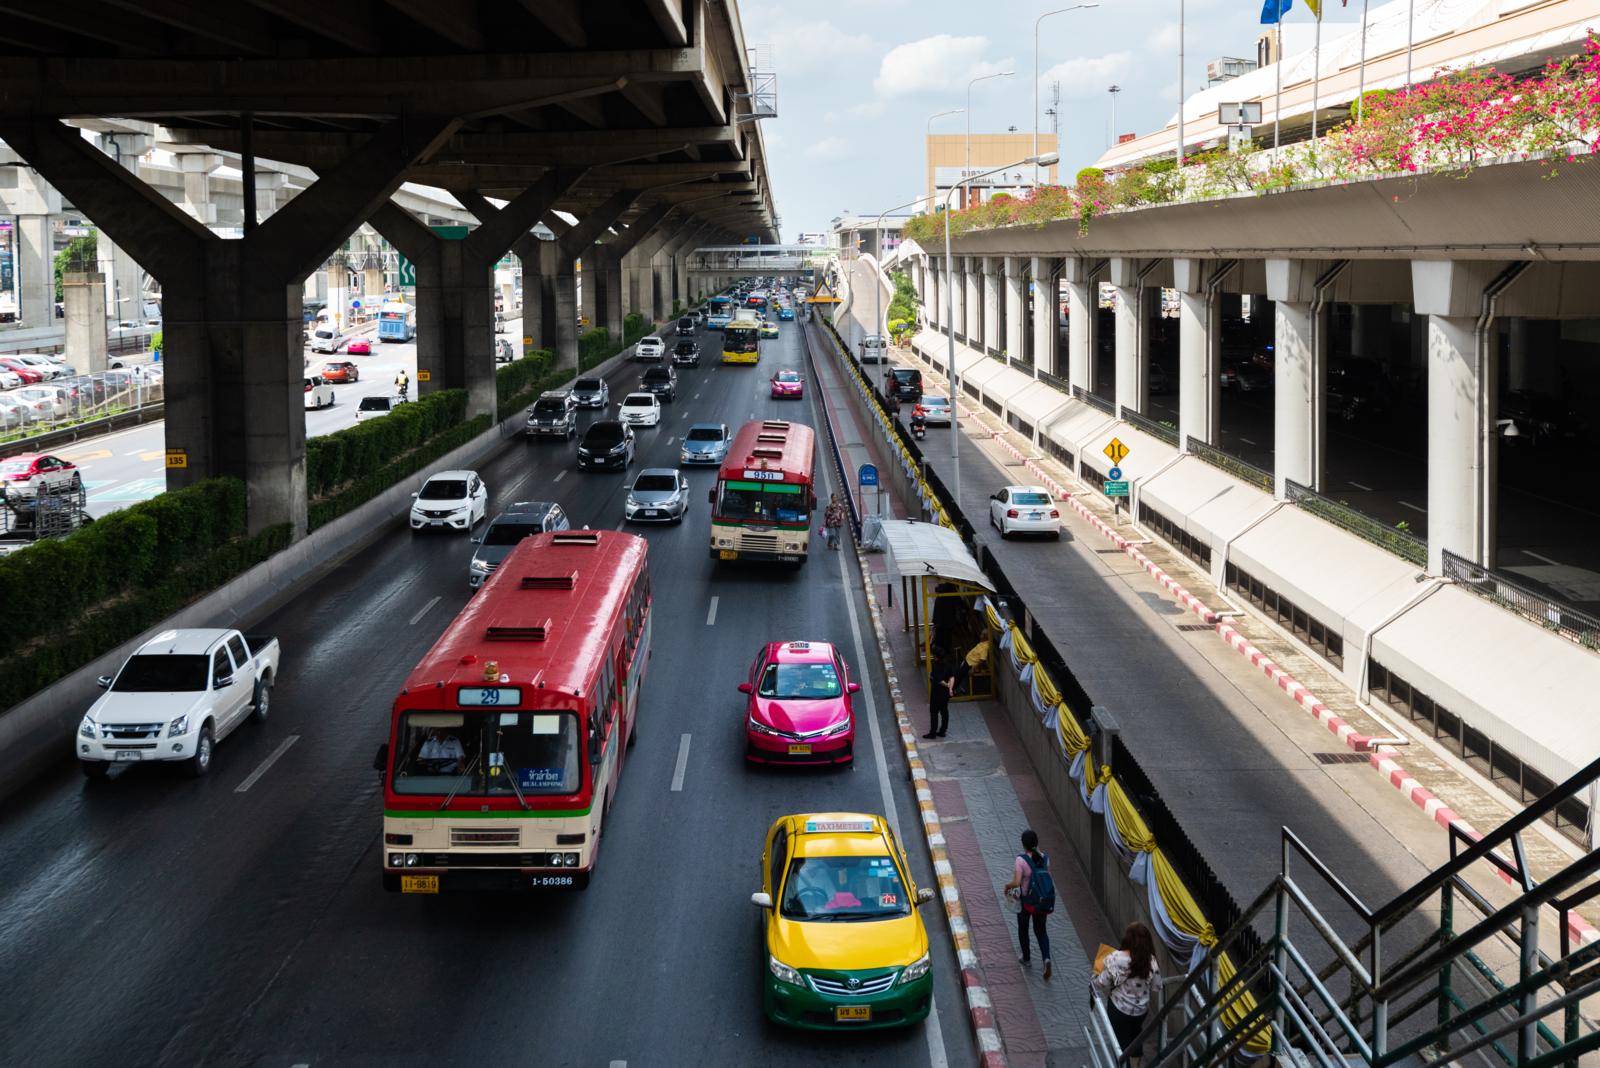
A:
(493, 753)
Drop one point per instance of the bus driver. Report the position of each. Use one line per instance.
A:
(442, 752)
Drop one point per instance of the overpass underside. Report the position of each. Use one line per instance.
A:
(616, 123)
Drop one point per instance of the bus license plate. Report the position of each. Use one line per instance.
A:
(852, 1013)
(419, 884)
(727, 554)
(799, 750)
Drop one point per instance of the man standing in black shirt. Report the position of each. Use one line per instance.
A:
(941, 684)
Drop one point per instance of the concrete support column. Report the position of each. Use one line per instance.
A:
(973, 306)
(1517, 375)
(1300, 361)
(197, 168)
(993, 325)
(83, 298)
(576, 243)
(529, 252)
(1016, 309)
(608, 289)
(1046, 315)
(1133, 336)
(935, 303)
(1083, 309)
(639, 290)
(1199, 349)
(35, 267)
(271, 192)
(124, 276)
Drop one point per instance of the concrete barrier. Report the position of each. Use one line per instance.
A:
(37, 733)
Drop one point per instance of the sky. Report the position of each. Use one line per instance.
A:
(857, 82)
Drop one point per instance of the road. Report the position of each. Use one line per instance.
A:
(155, 920)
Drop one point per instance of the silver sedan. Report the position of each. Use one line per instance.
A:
(658, 495)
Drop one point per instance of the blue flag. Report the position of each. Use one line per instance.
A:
(1272, 11)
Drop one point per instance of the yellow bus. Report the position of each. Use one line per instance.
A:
(741, 339)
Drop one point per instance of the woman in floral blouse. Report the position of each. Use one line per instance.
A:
(1126, 982)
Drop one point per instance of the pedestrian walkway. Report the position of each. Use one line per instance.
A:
(984, 793)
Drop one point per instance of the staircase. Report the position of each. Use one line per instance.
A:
(1447, 973)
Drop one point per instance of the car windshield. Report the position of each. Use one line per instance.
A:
(1030, 498)
(933, 402)
(550, 408)
(374, 404)
(686, 347)
(658, 374)
(704, 433)
(655, 484)
(759, 502)
(788, 376)
(162, 674)
(639, 400)
(604, 433)
(443, 489)
(587, 385)
(501, 532)
(844, 888)
(800, 681)
(475, 754)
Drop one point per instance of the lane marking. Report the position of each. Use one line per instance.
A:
(424, 610)
(672, 438)
(682, 765)
(1414, 508)
(1541, 559)
(135, 452)
(1359, 486)
(1244, 439)
(255, 776)
(711, 616)
(559, 476)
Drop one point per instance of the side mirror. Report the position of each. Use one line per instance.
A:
(924, 895)
(745, 687)
(761, 900)
(380, 762)
(711, 495)
(477, 539)
(854, 687)
(413, 496)
(596, 747)
(224, 682)
(104, 682)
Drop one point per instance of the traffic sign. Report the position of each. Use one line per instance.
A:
(355, 304)
(1116, 489)
(1115, 474)
(408, 272)
(424, 375)
(867, 476)
(1116, 450)
(177, 458)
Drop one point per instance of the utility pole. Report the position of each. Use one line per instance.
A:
(1055, 114)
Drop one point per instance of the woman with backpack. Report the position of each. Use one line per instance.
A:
(1129, 975)
(1035, 892)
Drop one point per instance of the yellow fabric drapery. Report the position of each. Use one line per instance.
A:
(1020, 649)
(1130, 825)
(1240, 1007)
(1073, 740)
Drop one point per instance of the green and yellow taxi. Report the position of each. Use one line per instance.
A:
(845, 946)
(769, 329)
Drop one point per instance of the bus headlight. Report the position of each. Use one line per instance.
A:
(571, 859)
(396, 860)
(411, 860)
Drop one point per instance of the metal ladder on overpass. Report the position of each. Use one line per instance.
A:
(1444, 974)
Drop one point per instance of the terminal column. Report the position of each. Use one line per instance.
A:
(973, 330)
(1300, 358)
(1133, 334)
(993, 338)
(1016, 310)
(1046, 314)
(1199, 283)
(1083, 307)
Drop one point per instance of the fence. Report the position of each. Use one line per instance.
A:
(1508, 593)
(1258, 477)
(43, 407)
(1094, 400)
(1161, 431)
(1402, 543)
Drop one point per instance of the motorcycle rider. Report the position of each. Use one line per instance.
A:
(402, 383)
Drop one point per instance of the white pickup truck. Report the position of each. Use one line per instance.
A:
(177, 696)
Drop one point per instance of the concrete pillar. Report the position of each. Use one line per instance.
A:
(1300, 362)
(993, 324)
(124, 276)
(1083, 309)
(1133, 335)
(1517, 374)
(84, 304)
(1199, 349)
(271, 192)
(638, 267)
(197, 168)
(576, 243)
(608, 289)
(35, 267)
(1016, 309)
(973, 327)
(1046, 315)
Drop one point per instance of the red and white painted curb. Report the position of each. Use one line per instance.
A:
(1581, 931)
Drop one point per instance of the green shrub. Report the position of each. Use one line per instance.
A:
(594, 347)
(352, 453)
(366, 487)
(520, 382)
(634, 327)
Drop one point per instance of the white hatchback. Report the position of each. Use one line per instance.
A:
(450, 500)
(640, 409)
(1024, 510)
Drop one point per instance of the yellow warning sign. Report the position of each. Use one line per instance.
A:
(1116, 450)
(823, 295)
(177, 458)
(424, 376)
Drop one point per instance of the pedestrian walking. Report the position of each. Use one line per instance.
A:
(832, 520)
(941, 685)
(1035, 892)
(1129, 975)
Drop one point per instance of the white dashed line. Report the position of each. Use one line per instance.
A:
(1246, 440)
(1359, 486)
(559, 476)
(711, 616)
(424, 610)
(267, 763)
(682, 765)
(1414, 508)
(1541, 559)
(671, 438)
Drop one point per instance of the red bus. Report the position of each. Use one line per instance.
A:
(506, 742)
(762, 503)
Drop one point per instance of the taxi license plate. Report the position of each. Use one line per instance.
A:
(419, 884)
(852, 1013)
(129, 754)
(799, 750)
(727, 554)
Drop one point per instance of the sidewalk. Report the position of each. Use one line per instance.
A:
(981, 792)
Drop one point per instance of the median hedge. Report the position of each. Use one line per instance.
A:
(353, 453)
(519, 383)
(69, 600)
(594, 348)
(362, 488)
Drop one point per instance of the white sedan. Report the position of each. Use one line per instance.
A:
(450, 500)
(1024, 510)
(318, 393)
(640, 409)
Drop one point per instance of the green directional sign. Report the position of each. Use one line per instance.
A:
(1116, 489)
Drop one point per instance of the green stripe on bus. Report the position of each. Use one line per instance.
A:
(530, 814)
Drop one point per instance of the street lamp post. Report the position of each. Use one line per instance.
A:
(975, 81)
(954, 375)
(877, 319)
(1036, 24)
(1114, 90)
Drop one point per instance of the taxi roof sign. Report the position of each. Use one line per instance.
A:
(839, 826)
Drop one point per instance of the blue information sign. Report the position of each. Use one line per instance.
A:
(867, 476)
(1115, 474)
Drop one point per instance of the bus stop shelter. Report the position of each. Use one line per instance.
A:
(940, 584)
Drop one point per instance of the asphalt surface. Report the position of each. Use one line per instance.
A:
(155, 920)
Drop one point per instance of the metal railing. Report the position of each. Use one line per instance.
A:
(1571, 623)
(1052, 381)
(54, 404)
(1094, 400)
(1402, 543)
(1162, 431)
(1240, 469)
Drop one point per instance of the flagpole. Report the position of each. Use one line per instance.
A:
(1316, 71)
(1277, 98)
(1361, 90)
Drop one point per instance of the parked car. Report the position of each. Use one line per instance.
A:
(591, 393)
(39, 410)
(178, 695)
(1024, 510)
(9, 379)
(658, 494)
(607, 443)
(686, 353)
(450, 500)
(359, 346)
(370, 407)
(14, 415)
(318, 393)
(341, 371)
(661, 381)
(650, 348)
(506, 530)
(553, 415)
(640, 409)
(705, 443)
(48, 369)
(58, 399)
(29, 375)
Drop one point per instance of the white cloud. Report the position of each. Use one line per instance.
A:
(934, 63)
(829, 148)
(870, 108)
(1087, 76)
